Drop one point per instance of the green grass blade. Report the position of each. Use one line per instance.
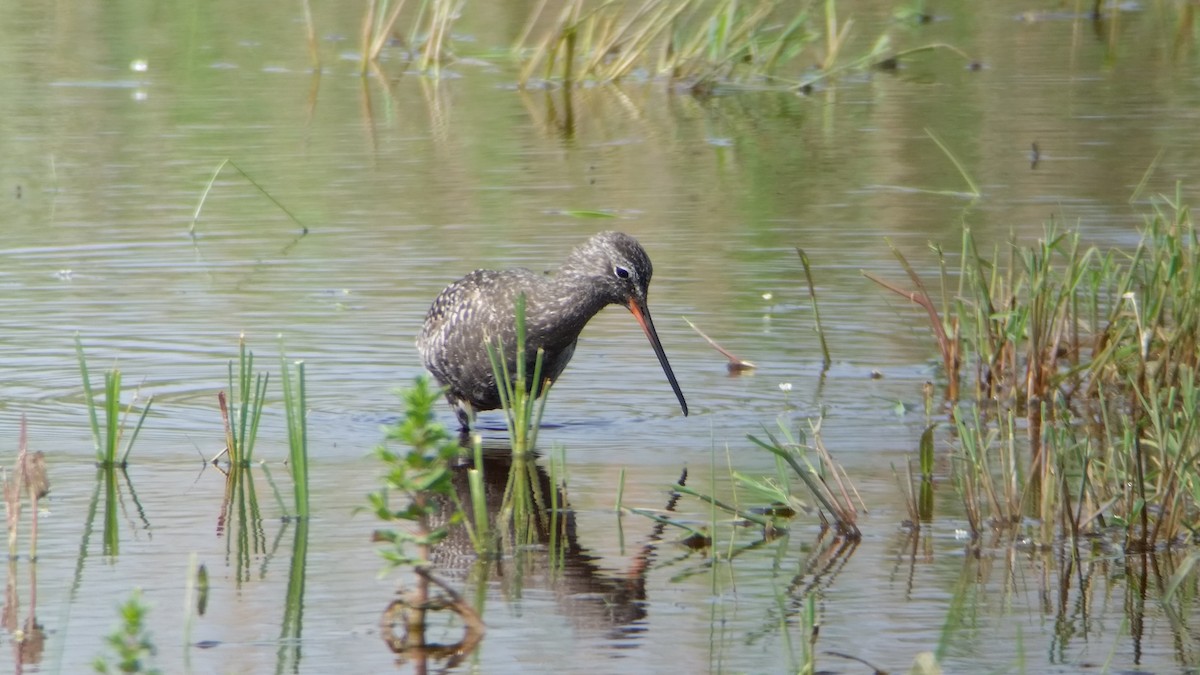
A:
(204, 196)
(112, 414)
(137, 428)
(962, 170)
(257, 186)
(89, 397)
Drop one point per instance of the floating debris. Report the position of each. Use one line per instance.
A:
(735, 365)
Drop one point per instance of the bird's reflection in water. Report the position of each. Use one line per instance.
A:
(542, 549)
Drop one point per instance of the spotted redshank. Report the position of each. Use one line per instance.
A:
(611, 268)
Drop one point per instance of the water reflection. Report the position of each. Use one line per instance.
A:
(404, 622)
(1074, 585)
(108, 481)
(28, 636)
(541, 548)
(240, 523)
(288, 656)
(543, 551)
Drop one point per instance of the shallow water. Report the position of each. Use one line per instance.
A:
(407, 184)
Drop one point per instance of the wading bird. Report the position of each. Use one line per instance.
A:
(610, 268)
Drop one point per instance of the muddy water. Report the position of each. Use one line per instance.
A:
(405, 184)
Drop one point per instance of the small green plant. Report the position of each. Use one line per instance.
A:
(480, 531)
(422, 478)
(524, 509)
(130, 642)
(114, 421)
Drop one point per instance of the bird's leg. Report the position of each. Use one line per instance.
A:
(463, 411)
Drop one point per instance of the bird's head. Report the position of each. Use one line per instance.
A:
(616, 266)
(618, 272)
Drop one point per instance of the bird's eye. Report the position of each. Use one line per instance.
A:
(621, 272)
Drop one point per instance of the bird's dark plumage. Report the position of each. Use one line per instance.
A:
(611, 268)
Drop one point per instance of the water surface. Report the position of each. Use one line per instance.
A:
(406, 183)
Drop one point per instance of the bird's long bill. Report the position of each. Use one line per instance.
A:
(642, 314)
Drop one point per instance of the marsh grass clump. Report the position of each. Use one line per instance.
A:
(426, 40)
(685, 40)
(825, 478)
(702, 43)
(241, 409)
(241, 420)
(526, 509)
(523, 407)
(420, 505)
(295, 402)
(1071, 376)
(114, 421)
